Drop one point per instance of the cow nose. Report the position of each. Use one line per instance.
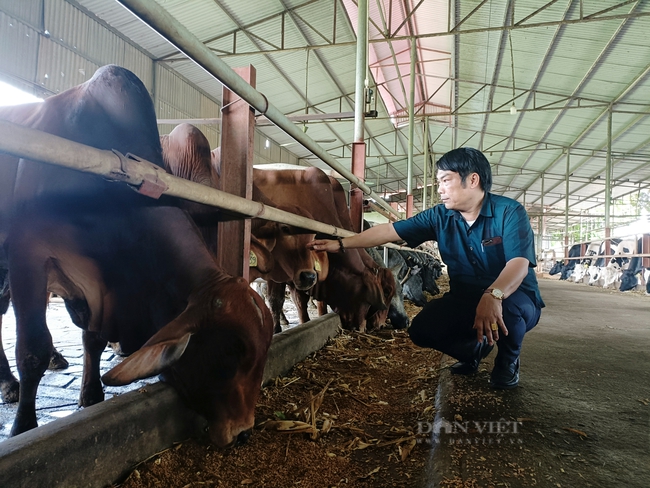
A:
(307, 279)
(243, 437)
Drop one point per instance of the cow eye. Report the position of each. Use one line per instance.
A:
(285, 229)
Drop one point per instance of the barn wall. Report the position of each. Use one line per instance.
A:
(48, 46)
(272, 154)
(19, 42)
(177, 99)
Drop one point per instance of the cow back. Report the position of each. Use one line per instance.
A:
(112, 110)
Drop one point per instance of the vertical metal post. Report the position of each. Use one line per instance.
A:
(541, 218)
(608, 181)
(356, 195)
(361, 71)
(359, 146)
(645, 249)
(434, 181)
(425, 166)
(409, 167)
(237, 132)
(566, 204)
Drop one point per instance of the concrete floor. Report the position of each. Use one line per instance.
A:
(58, 392)
(582, 409)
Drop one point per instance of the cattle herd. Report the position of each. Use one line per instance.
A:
(622, 269)
(142, 272)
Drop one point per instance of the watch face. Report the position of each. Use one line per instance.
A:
(496, 293)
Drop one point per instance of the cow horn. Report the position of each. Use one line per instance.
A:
(406, 277)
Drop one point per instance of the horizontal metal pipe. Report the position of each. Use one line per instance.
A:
(595, 257)
(380, 210)
(263, 120)
(23, 142)
(168, 27)
(41, 146)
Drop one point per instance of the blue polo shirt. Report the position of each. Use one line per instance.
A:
(476, 255)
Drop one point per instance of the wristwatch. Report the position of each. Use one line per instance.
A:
(496, 293)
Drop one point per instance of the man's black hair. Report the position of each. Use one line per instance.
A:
(465, 161)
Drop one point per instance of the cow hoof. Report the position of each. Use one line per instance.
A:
(57, 361)
(91, 396)
(10, 392)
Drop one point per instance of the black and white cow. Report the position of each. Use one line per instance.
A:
(631, 276)
(566, 270)
(429, 267)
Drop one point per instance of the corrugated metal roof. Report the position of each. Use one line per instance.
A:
(568, 71)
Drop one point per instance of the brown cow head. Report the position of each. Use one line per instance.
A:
(294, 262)
(355, 296)
(377, 318)
(213, 354)
(384, 281)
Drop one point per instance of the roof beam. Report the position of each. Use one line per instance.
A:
(386, 38)
(583, 82)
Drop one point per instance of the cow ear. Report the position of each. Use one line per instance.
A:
(264, 260)
(161, 351)
(147, 361)
(396, 269)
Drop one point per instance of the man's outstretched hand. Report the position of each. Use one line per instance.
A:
(327, 245)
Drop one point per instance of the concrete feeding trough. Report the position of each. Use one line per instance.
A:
(99, 445)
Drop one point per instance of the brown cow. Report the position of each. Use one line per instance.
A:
(376, 316)
(355, 288)
(130, 269)
(186, 152)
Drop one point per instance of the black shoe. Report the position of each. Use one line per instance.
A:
(472, 366)
(505, 377)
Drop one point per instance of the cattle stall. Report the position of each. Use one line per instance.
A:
(151, 181)
(625, 267)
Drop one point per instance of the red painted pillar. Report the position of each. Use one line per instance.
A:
(237, 131)
(409, 206)
(356, 195)
(645, 249)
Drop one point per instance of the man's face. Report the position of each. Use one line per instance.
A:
(453, 193)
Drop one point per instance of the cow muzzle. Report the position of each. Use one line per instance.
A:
(306, 279)
(227, 443)
(243, 437)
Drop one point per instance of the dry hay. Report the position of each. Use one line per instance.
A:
(345, 416)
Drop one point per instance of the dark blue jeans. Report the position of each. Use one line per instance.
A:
(446, 324)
